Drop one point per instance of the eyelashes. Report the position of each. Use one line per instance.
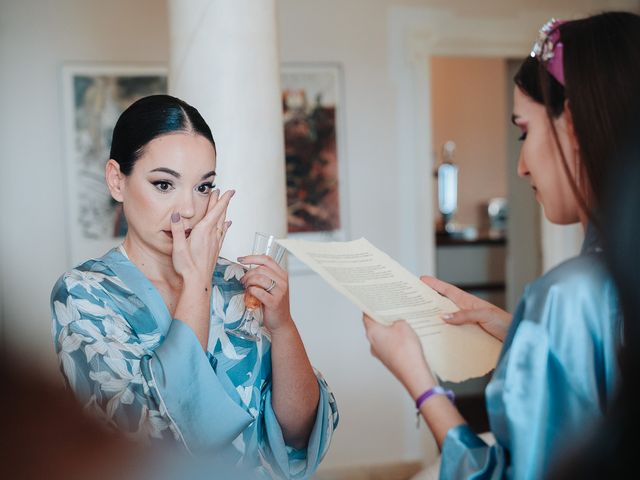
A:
(523, 137)
(206, 188)
(165, 186)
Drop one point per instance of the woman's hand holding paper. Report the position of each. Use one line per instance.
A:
(472, 309)
(398, 347)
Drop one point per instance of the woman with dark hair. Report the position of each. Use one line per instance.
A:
(140, 332)
(611, 450)
(573, 101)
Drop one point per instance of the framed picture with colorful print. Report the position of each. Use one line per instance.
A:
(93, 98)
(313, 110)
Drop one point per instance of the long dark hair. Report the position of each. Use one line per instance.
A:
(602, 75)
(611, 451)
(149, 118)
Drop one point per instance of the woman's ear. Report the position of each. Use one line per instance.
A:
(115, 180)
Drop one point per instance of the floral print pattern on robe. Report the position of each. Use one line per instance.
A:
(145, 373)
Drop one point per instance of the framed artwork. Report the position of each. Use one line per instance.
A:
(315, 166)
(94, 96)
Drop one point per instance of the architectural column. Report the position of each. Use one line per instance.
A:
(224, 61)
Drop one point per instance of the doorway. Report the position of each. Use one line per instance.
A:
(490, 245)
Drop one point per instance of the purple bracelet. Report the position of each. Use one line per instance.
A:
(437, 390)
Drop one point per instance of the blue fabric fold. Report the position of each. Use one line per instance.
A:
(193, 397)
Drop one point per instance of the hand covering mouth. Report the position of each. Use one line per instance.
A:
(168, 233)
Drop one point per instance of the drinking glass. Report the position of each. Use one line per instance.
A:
(249, 327)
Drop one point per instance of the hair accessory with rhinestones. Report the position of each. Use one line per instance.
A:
(548, 49)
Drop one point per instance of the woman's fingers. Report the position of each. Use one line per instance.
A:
(494, 320)
(443, 288)
(264, 297)
(261, 280)
(225, 228)
(213, 199)
(368, 321)
(479, 315)
(180, 249)
(461, 298)
(178, 234)
(264, 262)
(217, 211)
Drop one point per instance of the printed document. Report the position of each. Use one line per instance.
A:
(386, 291)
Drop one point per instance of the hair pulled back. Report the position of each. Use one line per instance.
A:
(149, 118)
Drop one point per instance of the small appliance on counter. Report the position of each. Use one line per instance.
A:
(447, 174)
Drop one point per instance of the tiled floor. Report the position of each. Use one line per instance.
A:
(399, 471)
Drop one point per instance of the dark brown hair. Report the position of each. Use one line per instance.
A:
(602, 89)
(149, 118)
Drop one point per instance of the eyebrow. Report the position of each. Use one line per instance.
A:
(169, 171)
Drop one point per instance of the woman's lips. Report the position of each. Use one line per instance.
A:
(168, 233)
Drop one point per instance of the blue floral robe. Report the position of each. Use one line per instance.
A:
(145, 373)
(555, 376)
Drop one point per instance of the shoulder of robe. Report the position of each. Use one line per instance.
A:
(93, 275)
(577, 294)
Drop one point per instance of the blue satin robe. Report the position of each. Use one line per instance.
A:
(146, 374)
(555, 376)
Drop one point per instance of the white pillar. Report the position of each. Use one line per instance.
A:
(224, 61)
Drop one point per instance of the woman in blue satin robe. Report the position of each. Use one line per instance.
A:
(141, 333)
(558, 368)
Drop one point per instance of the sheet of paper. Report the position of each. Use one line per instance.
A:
(386, 291)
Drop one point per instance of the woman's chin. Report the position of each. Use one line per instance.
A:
(560, 218)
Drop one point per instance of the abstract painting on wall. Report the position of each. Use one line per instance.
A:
(312, 129)
(94, 97)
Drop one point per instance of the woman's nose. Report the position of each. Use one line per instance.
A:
(523, 170)
(186, 207)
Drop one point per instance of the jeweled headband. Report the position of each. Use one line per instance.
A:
(548, 49)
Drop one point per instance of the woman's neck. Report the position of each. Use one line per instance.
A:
(156, 266)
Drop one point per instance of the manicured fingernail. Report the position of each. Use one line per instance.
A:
(241, 259)
(448, 316)
(233, 192)
(175, 217)
(229, 223)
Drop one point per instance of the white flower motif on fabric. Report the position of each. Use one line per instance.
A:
(218, 333)
(66, 313)
(150, 340)
(105, 349)
(125, 397)
(151, 424)
(217, 330)
(92, 407)
(235, 309)
(90, 280)
(234, 270)
(245, 394)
